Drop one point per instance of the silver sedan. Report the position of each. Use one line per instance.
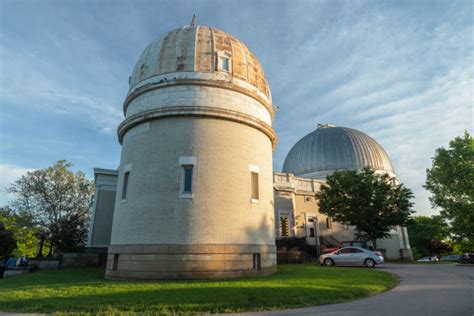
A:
(350, 256)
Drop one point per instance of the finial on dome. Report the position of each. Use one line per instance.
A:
(194, 20)
(325, 125)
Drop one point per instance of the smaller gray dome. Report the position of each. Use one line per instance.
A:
(330, 148)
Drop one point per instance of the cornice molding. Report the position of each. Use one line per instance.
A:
(198, 111)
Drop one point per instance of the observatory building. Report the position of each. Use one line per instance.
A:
(327, 149)
(194, 190)
(195, 195)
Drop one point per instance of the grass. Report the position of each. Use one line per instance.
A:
(84, 290)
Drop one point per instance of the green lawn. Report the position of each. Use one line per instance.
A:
(84, 290)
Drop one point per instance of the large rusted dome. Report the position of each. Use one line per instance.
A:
(330, 148)
(205, 50)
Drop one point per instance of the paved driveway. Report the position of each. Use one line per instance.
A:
(424, 289)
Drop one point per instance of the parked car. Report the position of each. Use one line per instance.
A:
(467, 258)
(347, 243)
(428, 259)
(349, 256)
(451, 258)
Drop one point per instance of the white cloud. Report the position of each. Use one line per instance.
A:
(30, 82)
(8, 174)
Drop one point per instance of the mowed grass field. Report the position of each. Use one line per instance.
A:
(84, 290)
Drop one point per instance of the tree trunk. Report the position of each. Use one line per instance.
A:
(40, 247)
(50, 253)
(374, 243)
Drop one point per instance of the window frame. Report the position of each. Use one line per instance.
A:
(254, 173)
(225, 61)
(186, 163)
(127, 170)
(328, 223)
(220, 57)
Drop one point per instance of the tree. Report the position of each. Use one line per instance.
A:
(58, 201)
(425, 231)
(7, 242)
(372, 203)
(451, 182)
(24, 232)
(438, 248)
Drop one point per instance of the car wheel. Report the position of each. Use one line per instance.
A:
(369, 263)
(328, 262)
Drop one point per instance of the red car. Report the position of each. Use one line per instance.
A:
(348, 243)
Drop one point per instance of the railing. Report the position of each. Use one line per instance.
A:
(329, 241)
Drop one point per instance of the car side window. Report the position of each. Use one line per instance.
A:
(355, 250)
(346, 250)
(345, 244)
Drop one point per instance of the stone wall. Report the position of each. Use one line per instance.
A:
(189, 261)
(221, 210)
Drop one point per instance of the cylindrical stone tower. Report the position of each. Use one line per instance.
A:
(195, 192)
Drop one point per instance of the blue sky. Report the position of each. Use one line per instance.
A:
(400, 71)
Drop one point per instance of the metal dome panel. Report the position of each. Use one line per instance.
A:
(200, 49)
(330, 148)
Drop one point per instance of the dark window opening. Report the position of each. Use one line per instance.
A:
(311, 232)
(126, 175)
(254, 180)
(257, 264)
(115, 263)
(328, 223)
(188, 179)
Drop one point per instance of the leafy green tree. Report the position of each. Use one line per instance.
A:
(58, 201)
(7, 242)
(423, 229)
(24, 231)
(451, 182)
(373, 203)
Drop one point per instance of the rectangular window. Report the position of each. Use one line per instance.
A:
(188, 179)
(186, 186)
(328, 223)
(311, 232)
(254, 179)
(225, 63)
(257, 264)
(126, 175)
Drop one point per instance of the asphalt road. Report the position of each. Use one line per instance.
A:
(424, 289)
